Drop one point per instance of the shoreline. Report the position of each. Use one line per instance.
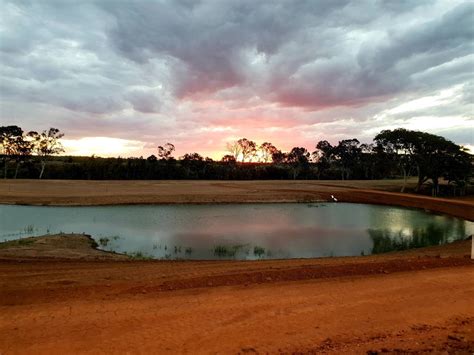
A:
(163, 192)
(83, 247)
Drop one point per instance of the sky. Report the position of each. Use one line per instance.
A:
(122, 77)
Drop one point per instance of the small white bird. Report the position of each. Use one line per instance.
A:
(333, 198)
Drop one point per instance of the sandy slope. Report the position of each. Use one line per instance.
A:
(419, 301)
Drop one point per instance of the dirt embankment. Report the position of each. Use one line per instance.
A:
(58, 247)
(71, 192)
(60, 295)
(417, 301)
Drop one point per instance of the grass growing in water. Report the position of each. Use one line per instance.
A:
(229, 250)
(29, 228)
(104, 241)
(258, 251)
(223, 250)
(138, 255)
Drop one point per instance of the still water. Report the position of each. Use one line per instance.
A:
(240, 231)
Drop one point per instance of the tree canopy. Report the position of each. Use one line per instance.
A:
(398, 152)
(432, 156)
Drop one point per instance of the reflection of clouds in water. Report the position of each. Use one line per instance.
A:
(288, 241)
(284, 230)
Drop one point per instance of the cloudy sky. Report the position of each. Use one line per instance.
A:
(121, 77)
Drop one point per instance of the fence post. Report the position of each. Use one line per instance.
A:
(472, 246)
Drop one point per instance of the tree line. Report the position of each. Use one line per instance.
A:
(393, 153)
(19, 147)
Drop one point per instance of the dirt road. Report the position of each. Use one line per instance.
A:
(414, 301)
(417, 301)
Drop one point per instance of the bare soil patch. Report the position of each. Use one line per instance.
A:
(60, 295)
(59, 246)
(409, 302)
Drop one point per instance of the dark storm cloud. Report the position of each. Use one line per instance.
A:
(143, 100)
(382, 67)
(178, 66)
(204, 41)
(314, 52)
(421, 47)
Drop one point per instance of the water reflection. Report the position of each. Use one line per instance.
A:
(385, 240)
(239, 231)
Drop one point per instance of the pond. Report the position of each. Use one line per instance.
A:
(240, 231)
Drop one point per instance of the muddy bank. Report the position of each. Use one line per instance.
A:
(65, 248)
(58, 246)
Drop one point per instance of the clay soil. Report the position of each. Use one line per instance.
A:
(60, 295)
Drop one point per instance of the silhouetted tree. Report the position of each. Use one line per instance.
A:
(14, 146)
(194, 164)
(347, 153)
(433, 156)
(458, 171)
(164, 152)
(279, 157)
(23, 151)
(45, 144)
(152, 158)
(228, 158)
(366, 160)
(248, 148)
(399, 145)
(298, 158)
(323, 156)
(192, 157)
(234, 149)
(267, 149)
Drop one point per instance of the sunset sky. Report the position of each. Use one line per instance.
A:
(121, 77)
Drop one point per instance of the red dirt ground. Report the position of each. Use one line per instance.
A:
(80, 301)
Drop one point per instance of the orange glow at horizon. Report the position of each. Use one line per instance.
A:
(115, 147)
(101, 146)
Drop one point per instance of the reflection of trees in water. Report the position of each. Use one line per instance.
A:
(241, 251)
(385, 240)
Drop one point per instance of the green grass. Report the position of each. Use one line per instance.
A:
(16, 242)
(104, 241)
(258, 251)
(138, 255)
(229, 250)
(29, 228)
(26, 241)
(223, 250)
